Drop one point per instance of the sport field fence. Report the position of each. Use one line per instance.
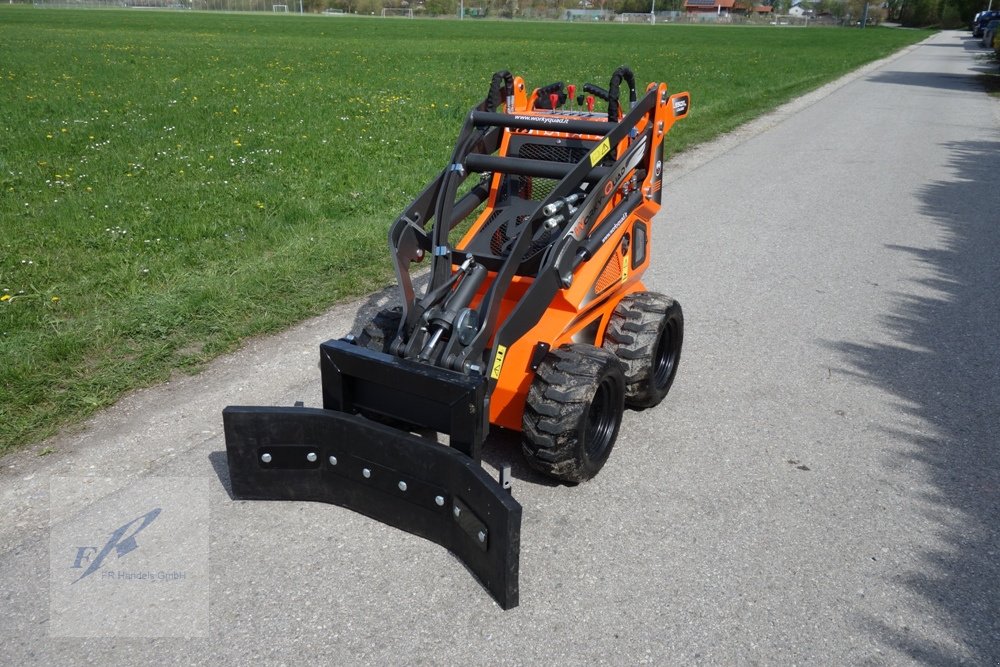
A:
(201, 5)
(297, 7)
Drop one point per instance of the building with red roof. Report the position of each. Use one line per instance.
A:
(723, 7)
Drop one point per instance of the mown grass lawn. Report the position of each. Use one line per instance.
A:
(172, 183)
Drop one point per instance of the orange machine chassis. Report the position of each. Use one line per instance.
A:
(534, 318)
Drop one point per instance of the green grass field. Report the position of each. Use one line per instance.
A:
(172, 183)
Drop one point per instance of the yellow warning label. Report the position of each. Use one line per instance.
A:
(624, 269)
(598, 154)
(498, 362)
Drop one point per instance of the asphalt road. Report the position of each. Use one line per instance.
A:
(822, 486)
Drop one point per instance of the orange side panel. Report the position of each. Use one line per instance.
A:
(507, 401)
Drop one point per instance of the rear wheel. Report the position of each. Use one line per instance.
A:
(573, 412)
(381, 331)
(646, 332)
(378, 335)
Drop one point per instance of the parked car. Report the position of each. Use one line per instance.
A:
(989, 32)
(982, 18)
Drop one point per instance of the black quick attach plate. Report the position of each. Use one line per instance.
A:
(356, 379)
(408, 482)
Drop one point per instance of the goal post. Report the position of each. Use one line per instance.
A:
(398, 12)
(279, 8)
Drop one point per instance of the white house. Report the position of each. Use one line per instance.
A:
(800, 9)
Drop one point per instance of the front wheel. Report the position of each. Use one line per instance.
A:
(573, 412)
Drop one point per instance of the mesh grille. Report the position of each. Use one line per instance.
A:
(535, 188)
(499, 237)
(551, 153)
(529, 188)
(611, 274)
(505, 235)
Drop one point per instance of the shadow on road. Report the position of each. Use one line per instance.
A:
(929, 80)
(220, 465)
(945, 369)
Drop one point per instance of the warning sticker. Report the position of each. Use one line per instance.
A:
(599, 152)
(498, 361)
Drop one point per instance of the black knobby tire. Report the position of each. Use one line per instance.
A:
(646, 332)
(381, 331)
(573, 412)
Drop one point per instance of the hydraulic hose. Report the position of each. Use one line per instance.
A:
(622, 72)
(501, 89)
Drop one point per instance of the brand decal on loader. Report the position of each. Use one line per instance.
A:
(680, 106)
(589, 211)
(599, 152)
(615, 227)
(548, 120)
(498, 362)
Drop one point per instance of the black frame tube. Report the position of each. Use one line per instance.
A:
(542, 123)
(527, 167)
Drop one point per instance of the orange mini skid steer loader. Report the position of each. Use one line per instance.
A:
(535, 320)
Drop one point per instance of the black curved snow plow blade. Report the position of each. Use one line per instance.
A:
(424, 488)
